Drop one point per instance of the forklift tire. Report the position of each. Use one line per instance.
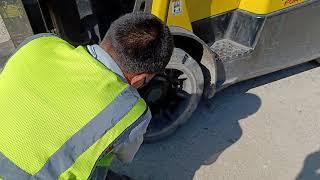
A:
(192, 78)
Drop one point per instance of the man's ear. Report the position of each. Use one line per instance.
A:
(138, 80)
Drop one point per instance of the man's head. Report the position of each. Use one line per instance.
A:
(140, 44)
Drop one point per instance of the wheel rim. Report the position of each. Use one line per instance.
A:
(168, 96)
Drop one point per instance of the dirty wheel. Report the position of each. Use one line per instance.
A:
(173, 96)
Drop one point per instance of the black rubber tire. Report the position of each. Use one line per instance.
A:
(318, 61)
(181, 61)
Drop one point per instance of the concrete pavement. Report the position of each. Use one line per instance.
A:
(266, 128)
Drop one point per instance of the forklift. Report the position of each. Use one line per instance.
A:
(217, 43)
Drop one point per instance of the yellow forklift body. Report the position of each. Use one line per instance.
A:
(179, 16)
(160, 9)
(182, 13)
(266, 6)
(209, 8)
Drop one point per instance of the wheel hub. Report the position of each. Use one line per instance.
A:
(154, 95)
(157, 90)
(166, 99)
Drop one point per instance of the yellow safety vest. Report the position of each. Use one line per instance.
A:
(60, 110)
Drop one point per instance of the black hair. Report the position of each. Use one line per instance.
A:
(142, 41)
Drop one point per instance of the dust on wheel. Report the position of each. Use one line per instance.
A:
(173, 96)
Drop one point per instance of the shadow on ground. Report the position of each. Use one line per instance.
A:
(213, 128)
(311, 168)
(200, 142)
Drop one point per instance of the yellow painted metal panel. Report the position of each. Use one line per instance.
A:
(182, 12)
(160, 9)
(267, 6)
(200, 9)
(193, 10)
(178, 14)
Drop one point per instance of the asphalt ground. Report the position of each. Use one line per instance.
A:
(267, 128)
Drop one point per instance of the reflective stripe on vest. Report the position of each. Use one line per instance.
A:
(120, 108)
(105, 160)
(66, 155)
